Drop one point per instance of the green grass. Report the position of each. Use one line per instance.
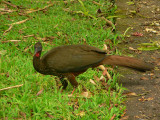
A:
(54, 27)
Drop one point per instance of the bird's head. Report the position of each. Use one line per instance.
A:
(37, 49)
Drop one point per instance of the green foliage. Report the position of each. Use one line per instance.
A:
(149, 46)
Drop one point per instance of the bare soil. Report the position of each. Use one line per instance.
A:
(144, 88)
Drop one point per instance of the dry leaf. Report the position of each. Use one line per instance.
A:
(102, 78)
(123, 114)
(86, 94)
(151, 74)
(102, 67)
(130, 94)
(137, 34)
(40, 92)
(96, 78)
(102, 105)
(50, 116)
(149, 99)
(96, 3)
(3, 52)
(124, 118)
(151, 30)
(130, 48)
(70, 95)
(82, 113)
(144, 78)
(22, 114)
(105, 72)
(28, 36)
(112, 118)
(105, 47)
(28, 47)
(143, 99)
(92, 81)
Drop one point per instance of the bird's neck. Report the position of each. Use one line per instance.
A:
(38, 65)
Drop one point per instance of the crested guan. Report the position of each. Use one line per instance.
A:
(71, 60)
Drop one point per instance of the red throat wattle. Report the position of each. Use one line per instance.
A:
(37, 54)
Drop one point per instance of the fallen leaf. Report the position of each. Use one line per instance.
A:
(40, 92)
(105, 72)
(130, 94)
(50, 116)
(130, 48)
(82, 113)
(22, 114)
(91, 81)
(105, 47)
(151, 30)
(28, 36)
(86, 94)
(151, 74)
(70, 95)
(124, 118)
(143, 99)
(123, 114)
(96, 78)
(102, 105)
(111, 106)
(3, 52)
(96, 3)
(102, 67)
(102, 78)
(144, 78)
(28, 47)
(137, 34)
(50, 38)
(112, 118)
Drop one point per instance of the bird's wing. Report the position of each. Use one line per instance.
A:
(74, 58)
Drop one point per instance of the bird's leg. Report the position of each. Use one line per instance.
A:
(73, 81)
(64, 83)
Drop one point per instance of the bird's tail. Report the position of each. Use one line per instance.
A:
(127, 62)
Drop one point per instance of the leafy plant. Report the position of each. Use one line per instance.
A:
(149, 46)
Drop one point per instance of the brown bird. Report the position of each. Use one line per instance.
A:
(71, 60)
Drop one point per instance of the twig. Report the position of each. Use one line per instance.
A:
(12, 24)
(40, 9)
(11, 87)
(15, 6)
(20, 22)
(4, 11)
(96, 3)
(11, 41)
(108, 22)
(8, 29)
(28, 36)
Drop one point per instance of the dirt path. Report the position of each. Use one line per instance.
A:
(146, 105)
